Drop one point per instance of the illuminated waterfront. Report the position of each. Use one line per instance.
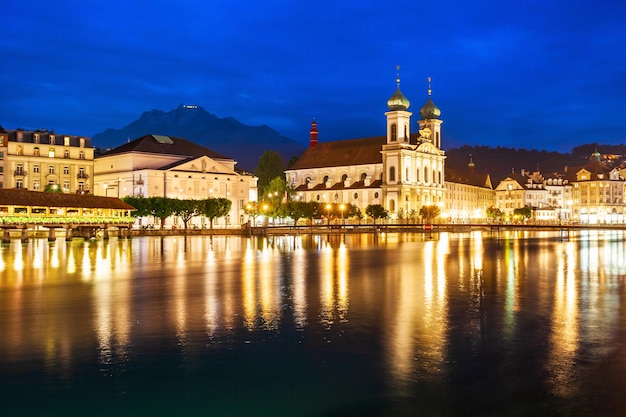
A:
(400, 324)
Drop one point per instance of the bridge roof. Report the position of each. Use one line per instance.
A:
(15, 197)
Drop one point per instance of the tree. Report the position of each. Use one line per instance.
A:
(186, 209)
(52, 188)
(494, 214)
(270, 166)
(213, 208)
(428, 213)
(140, 204)
(376, 211)
(523, 213)
(161, 208)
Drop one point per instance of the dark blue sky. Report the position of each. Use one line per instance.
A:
(534, 74)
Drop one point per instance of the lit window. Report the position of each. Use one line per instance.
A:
(36, 151)
(51, 153)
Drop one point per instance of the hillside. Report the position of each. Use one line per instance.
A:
(227, 136)
(499, 162)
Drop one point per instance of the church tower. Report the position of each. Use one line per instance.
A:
(430, 125)
(398, 118)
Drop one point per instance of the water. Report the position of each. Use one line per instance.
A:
(473, 324)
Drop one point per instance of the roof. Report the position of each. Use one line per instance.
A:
(28, 136)
(469, 178)
(166, 145)
(15, 197)
(342, 153)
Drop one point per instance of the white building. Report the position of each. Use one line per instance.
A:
(165, 166)
(398, 171)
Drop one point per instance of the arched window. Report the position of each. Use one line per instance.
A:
(406, 174)
(325, 180)
(394, 133)
(392, 173)
(425, 174)
(344, 177)
(417, 175)
(434, 177)
(406, 132)
(363, 176)
(440, 182)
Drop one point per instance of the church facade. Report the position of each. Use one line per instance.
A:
(402, 171)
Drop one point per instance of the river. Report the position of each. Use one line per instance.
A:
(442, 324)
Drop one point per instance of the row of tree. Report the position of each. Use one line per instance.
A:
(163, 207)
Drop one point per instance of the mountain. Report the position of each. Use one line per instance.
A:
(227, 136)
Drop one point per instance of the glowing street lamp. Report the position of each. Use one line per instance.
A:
(341, 209)
(328, 213)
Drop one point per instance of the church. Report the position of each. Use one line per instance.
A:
(402, 171)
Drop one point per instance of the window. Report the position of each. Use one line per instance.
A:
(66, 141)
(19, 169)
(392, 173)
(66, 170)
(394, 133)
(82, 142)
(81, 155)
(52, 140)
(425, 174)
(36, 185)
(51, 153)
(66, 185)
(37, 138)
(51, 169)
(66, 154)
(376, 195)
(19, 184)
(36, 151)
(36, 169)
(20, 150)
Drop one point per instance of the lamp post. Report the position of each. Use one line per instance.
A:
(106, 189)
(341, 209)
(328, 214)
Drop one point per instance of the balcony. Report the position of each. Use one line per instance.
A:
(82, 176)
(138, 182)
(19, 173)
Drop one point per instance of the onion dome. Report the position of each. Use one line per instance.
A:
(398, 101)
(430, 109)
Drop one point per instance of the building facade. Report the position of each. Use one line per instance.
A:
(165, 166)
(34, 160)
(402, 171)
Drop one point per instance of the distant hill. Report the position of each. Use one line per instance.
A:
(499, 162)
(243, 143)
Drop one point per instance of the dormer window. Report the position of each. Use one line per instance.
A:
(66, 141)
(52, 140)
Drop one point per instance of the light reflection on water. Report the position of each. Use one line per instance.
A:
(413, 309)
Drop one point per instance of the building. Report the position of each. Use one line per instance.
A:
(400, 171)
(598, 194)
(165, 166)
(35, 159)
(468, 194)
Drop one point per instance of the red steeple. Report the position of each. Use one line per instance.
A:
(313, 132)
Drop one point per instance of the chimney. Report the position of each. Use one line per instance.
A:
(313, 132)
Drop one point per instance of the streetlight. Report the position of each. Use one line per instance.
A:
(328, 214)
(341, 208)
(106, 189)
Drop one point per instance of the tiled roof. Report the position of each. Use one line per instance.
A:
(28, 136)
(178, 146)
(342, 153)
(15, 197)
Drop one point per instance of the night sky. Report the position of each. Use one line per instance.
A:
(528, 74)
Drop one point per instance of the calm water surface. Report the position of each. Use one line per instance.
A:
(474, 324)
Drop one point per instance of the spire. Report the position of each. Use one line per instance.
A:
(430, 110)
(470, 165)
(313, 134)
(398, 101)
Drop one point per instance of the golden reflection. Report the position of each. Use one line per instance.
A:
(248, 287)
(565, 321)
(298, 273)
(419, 313)
(269, 278)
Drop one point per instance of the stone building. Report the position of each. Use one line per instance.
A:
(35, 159)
